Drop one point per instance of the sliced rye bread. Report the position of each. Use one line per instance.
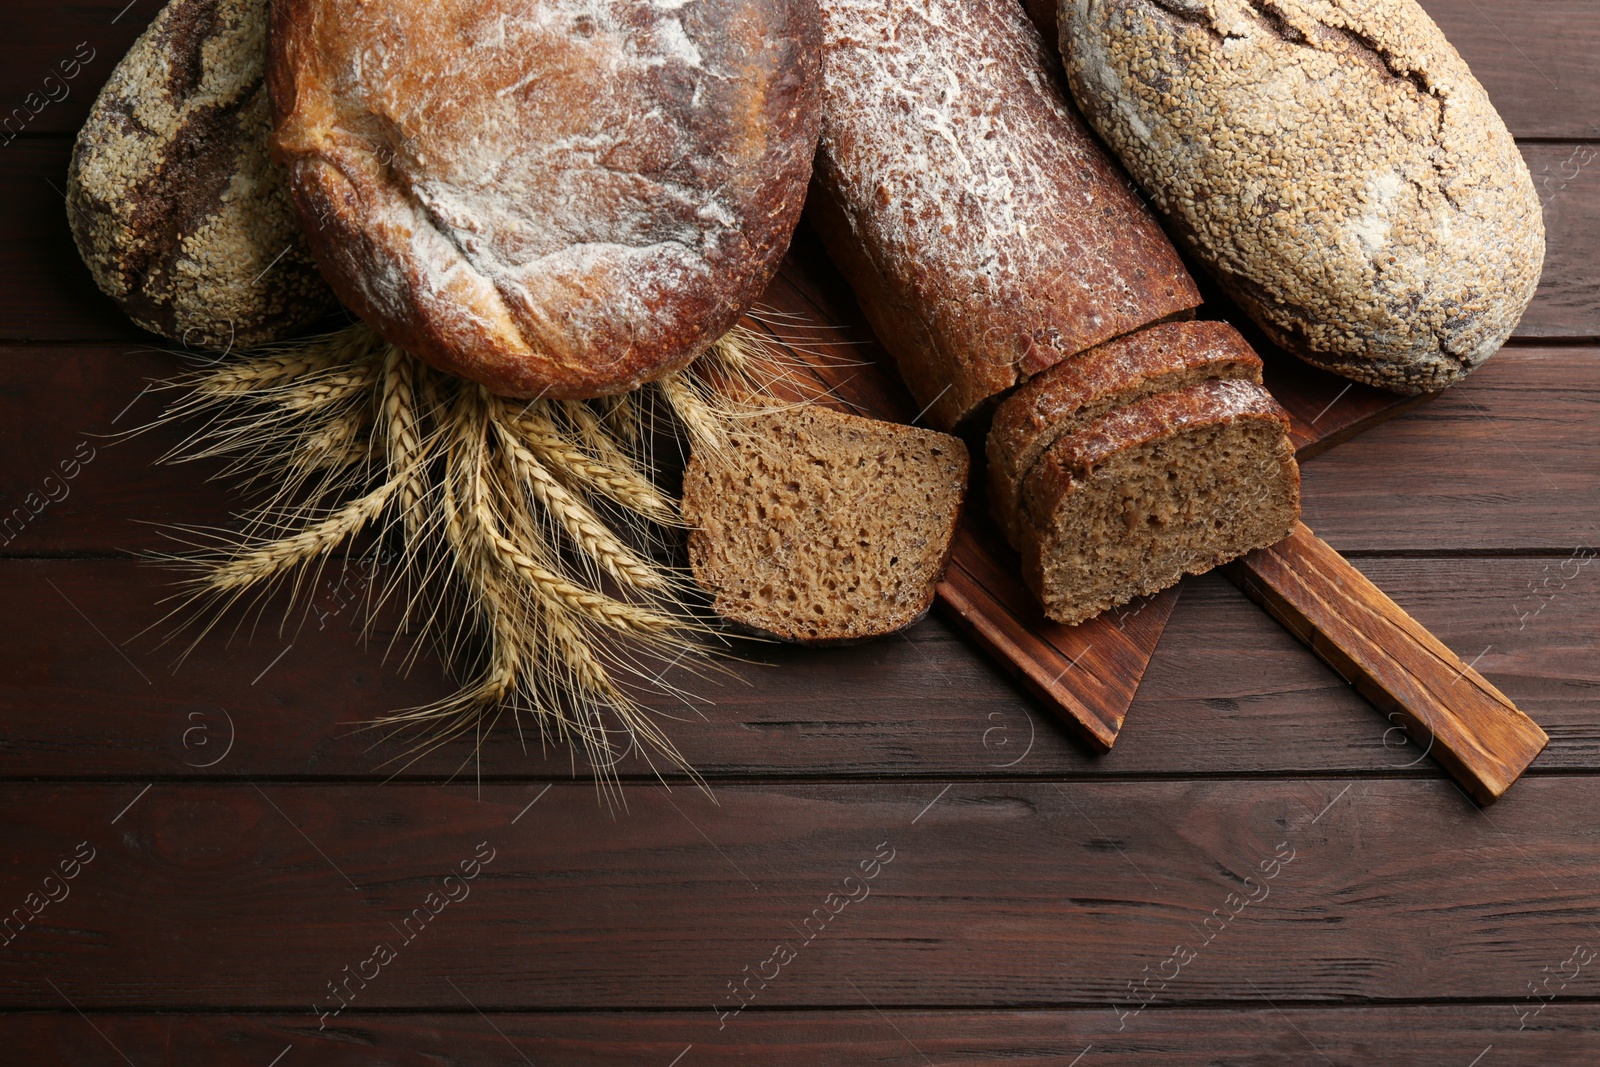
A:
(1170, 485)
(823, 528)
(1073, 393)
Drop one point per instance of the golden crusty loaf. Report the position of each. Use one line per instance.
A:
(175, 203)
(986, 233)
(1076, 391)
(1173, 484)
(1335, 165)
(552, 197)
(820, 527)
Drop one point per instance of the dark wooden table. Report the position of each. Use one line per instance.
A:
(1309, 888)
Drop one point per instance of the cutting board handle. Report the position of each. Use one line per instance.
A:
(1467, 724)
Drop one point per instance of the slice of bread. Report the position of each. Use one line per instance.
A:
(1073, 393)
(1173, 484)
(822, 528)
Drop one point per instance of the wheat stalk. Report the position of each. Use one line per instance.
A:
(496, 505)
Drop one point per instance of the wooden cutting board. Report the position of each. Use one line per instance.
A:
(1087, 674)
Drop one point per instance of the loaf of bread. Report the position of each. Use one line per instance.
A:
(1336, 166)
(176, 206)
(820, 527)
(986, 233)
(1076, 391)
(1174, 484)
(990, 242)
(551, 197)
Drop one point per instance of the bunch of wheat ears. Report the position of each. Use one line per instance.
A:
(529, 540)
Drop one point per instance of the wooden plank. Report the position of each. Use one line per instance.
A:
(77, 46)
(985, 894)
(69, 482)
(46, 293)
(1396, 1037)
(1483, 448)
(1567, 305)
(1503, 462)
(61, 56)
(1228, 691)
(1470, 727)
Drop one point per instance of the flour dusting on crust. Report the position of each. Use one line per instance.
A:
(979, 198)
(567, 196)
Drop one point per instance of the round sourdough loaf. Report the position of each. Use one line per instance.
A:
(175, 203)
(1335, 165)
(563, 198)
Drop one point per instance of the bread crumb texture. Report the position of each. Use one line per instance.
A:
(563, 198)
(1076, 391)
(821, 527)
(1333, 162)
(177, 208)
(986, 232)
(1170, 485)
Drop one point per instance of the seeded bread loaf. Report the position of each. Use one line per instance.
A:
(1336, 166)
(821, 527)
(175, 203)
(1076, 391)
(1173, 484)
(986, 233)
(561, 198)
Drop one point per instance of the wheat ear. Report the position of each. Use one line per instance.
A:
(515, 521)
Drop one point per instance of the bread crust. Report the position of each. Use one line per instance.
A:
(1068, 463)
(1336, 166)
(175, 204)
(1060, 401)
(548, 197)
(986, 233)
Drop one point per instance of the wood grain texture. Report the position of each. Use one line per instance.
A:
(988, 894)
(1412, 677)
(1228, 692)
(1503, 462)
(1238, 1037)
(1507, 446)
(1007, 925)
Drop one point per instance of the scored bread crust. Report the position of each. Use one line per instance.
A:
(175, 203)
(1336, 166)
(985, 231)
(550, 197)
(1066, 397)
(791, 542)
(1066, 467)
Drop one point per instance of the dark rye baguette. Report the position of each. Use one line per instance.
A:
(176, 206)
(1173, 484)
(819, 527)
(1076, 391)
(986, 233)
(552, 199)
